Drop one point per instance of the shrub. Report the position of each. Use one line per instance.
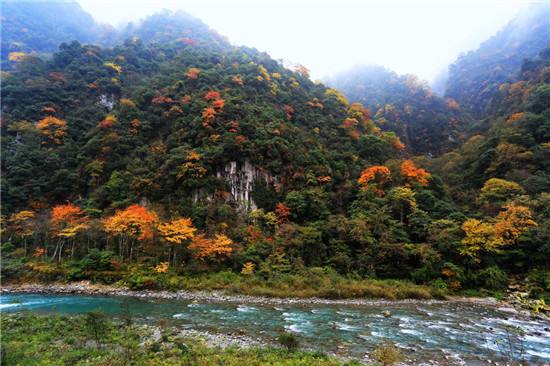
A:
(387, 353)
(97, 260)
(539, 283)
(289, 341)
(492, 278)
(141, 282)
(97, 325)
(439, 283)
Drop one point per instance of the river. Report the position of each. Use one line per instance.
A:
(457, 332)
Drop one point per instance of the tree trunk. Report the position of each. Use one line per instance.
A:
(61, 251)
(72, 249)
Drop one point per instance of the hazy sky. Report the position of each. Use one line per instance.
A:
(327, 36)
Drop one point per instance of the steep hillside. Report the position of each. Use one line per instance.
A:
(426, 123)
(475, 77)
(512, 141)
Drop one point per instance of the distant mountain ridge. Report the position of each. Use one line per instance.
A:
(35, 28)
(29, 27)
(475, 77)
(426, 123)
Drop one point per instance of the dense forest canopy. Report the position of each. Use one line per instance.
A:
(164, 148)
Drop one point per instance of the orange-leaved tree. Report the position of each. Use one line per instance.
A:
(192, 73)
(212, 95)
(412, 174)
(490, 237)
(375, 176)
(65, 223)
(282, 212)
(134, 223)
(217, 248)
(208, 114)
(513, 222)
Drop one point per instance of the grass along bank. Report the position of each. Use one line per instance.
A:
(309, 282)
(94, 339)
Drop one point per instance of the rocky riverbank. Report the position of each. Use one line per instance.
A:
(87, 288)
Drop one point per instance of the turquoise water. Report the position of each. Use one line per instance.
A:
(453, 331)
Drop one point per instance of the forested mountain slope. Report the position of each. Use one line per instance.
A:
(166, 118)
(511, 142)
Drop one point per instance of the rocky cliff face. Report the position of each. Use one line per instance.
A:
(241, 176)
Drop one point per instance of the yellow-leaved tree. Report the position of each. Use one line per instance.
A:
(513, 222)
(491, 237)
(248, 268)
(176, 232)
(54, 129)
(480, 236)
(22, 225)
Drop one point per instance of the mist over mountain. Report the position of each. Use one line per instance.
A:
(425, 122)
(474, 77)
(41, 27)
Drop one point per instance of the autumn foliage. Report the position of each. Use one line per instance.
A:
(107, 122)
(512, 222)
(54, 129)
(238, 80)
(491, 236)
(216, 105)
(177, 231)
(212, 95)
(162, 267)
(17, 56)
(282, 212)
(68, 220)
(206, 248)
(376, 176)
(135, 221)
(208, 114)
(22, 223)
(248, 268)
(162, 99)
(412, 174)
(193, 73)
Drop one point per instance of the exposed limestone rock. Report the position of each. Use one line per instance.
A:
(107, 101)
(241, 176)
